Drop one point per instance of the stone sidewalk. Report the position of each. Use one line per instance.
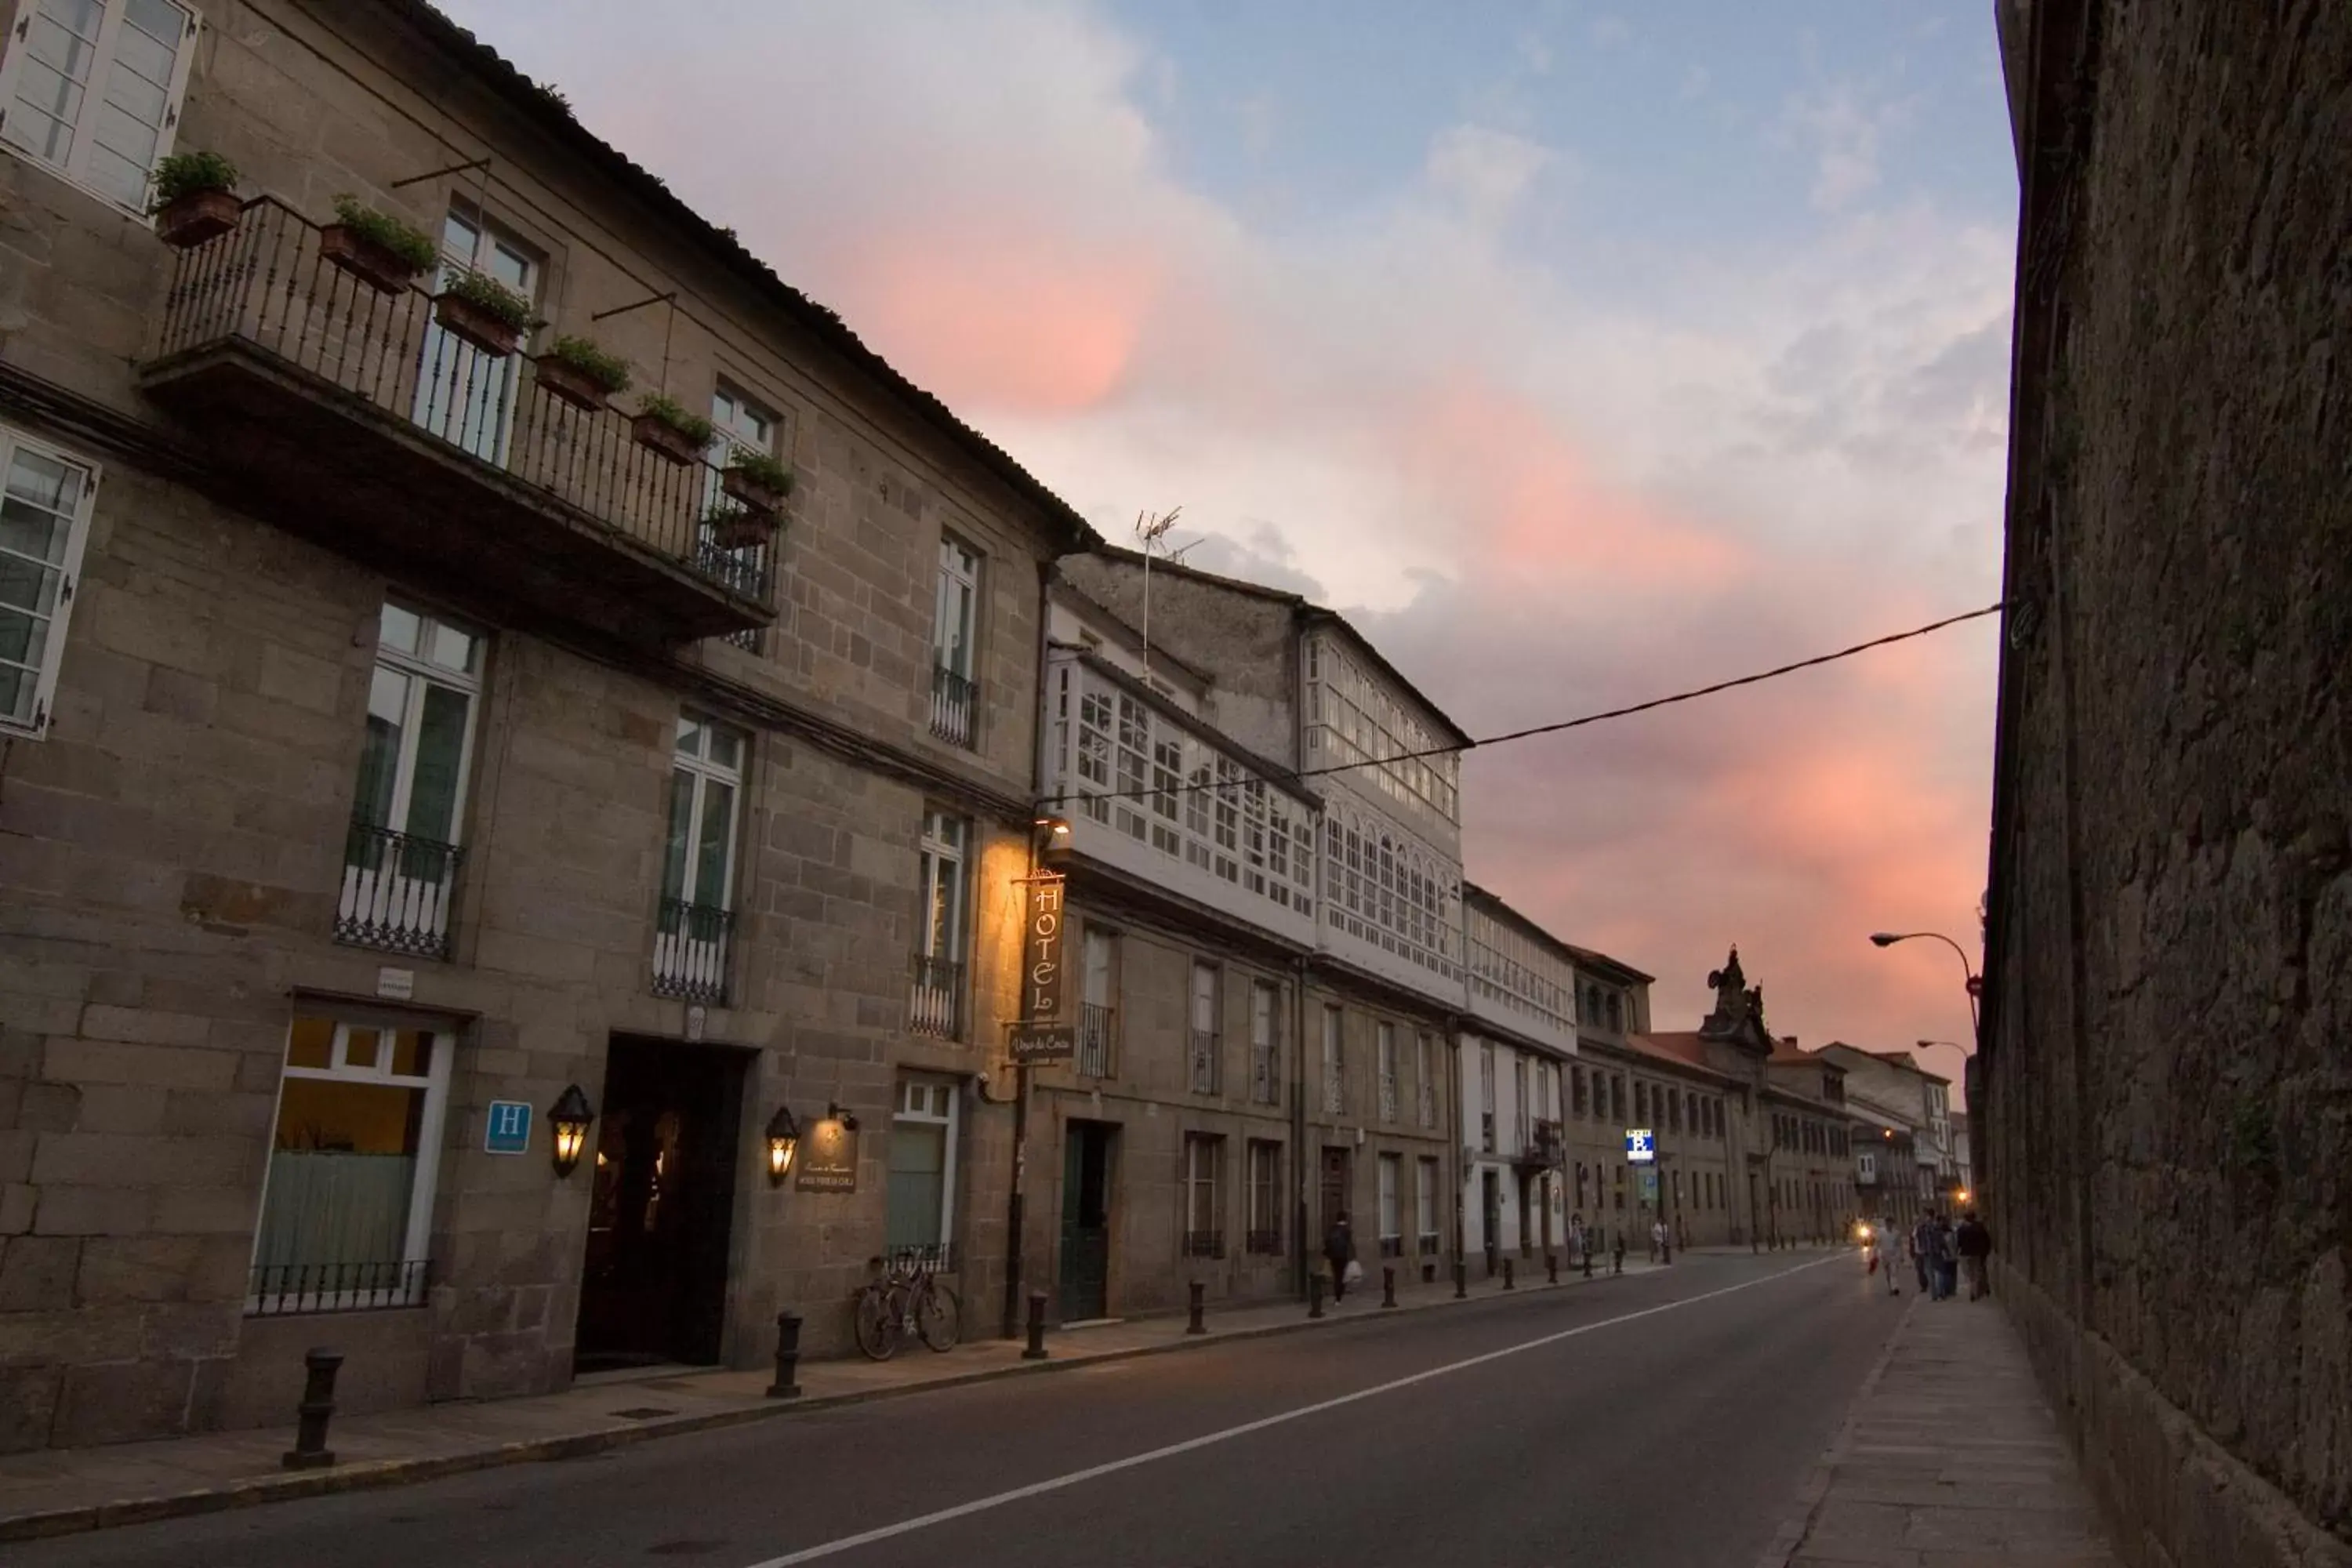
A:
(1950, 1458)
(59, 1491)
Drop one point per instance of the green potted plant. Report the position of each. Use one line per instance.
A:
(663, 425)
(731, 528)
(756, 479)
(377, 247)
(196, 199)
(484, 311)
(581, 373)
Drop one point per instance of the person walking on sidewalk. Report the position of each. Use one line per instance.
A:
(1339, 1251)
(1945, 1265)
(1923, 1248)
(1975, 1244)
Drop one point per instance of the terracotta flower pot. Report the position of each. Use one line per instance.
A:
(463, 318)
(196, 217)
(666, 439)
(742, 487)
(743, 531)
(561, 379)
(365, 260)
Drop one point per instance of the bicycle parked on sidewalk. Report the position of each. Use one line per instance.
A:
(906, 1300)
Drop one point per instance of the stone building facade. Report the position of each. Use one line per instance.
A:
(394, 744)
(2162, 1064)
(1517, 1042)
(1357, 872)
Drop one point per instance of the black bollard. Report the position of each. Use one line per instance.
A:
(1509, 1282)
(310, 1451)
(1665, 1252)
(1617, 1258)
(1193, 1325)
(1551, 1267)
(1036, 1350)
(1388, 1287)
(1588, 1260)
(1460, 1279)
(1315, 1295)
(788, 1357)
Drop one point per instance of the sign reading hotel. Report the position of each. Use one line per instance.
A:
(1041, 1036)
(1042, 970)
(1640, 1145)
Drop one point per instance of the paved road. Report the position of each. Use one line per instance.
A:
(1663, 1421)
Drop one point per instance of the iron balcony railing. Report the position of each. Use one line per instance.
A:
(1204, 1054)
(1392, 1247)
(1266, 1243)
(267, 286)
(690, 945)
(935, 1001)
(1204, 1244)
(284, 1289)
(1335, 1087)
(1266, 1075)
(1388, 1097)
(1428, 1243)
(1097, 1038)
(1428, 1103)
(395, 892)
(955, 706)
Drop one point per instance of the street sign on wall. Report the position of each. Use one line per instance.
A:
(508, 1131)
(1640, 1145)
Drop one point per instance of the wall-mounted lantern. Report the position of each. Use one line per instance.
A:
(1052, 837)
(569, 1116)
(783, 1142)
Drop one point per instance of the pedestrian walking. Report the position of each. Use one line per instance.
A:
(1576, 1238)
(1923, 1250)
(1885, 1248)
(1948, 1259)
(1975, 1243)
(1657, 1239)
(1339, 1252)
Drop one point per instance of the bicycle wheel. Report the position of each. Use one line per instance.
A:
(937, 1318)
(877, 1323)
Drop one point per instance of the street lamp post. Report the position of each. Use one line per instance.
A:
(1971, 979)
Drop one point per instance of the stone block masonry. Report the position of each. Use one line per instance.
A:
(2163, 1072)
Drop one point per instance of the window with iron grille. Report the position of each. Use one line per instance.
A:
(1425, 1081)
(955, 630)
(1391, 1177)
(347, 1207)
(1424, 1203)
(1486, 1099)
(1208, 990)
(1385, 1036)
(694, 922)
(1205, 1214)
(1264, 1177)
(1266, 1041)
(1335, 1064)
(935, 1005)
(400, 857)
(1098, 1002)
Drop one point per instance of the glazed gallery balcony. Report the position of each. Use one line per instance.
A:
(1159, 795)
(374, 419)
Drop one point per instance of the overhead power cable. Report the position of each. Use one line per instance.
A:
(1552, 729)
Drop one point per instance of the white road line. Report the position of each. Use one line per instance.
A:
(1092, 1472)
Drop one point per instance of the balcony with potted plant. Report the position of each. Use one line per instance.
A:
(313, 361)
(194, 199)
(582, 373)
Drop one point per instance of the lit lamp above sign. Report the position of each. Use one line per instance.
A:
(1640, 1145)
(1041, 1036)
(825, 1158)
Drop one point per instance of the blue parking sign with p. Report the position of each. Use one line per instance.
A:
(509, 1129)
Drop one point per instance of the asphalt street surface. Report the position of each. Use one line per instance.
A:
(1666, 1419)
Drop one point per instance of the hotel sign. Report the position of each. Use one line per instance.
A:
(827, 1158)
(1042, 971)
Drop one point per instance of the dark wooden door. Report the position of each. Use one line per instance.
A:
(1085, 1222)
(653, 1281)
